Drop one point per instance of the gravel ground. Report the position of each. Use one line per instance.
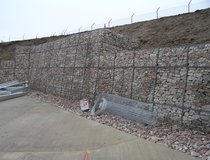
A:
(194, 143)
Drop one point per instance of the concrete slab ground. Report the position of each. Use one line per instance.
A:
(33, 130)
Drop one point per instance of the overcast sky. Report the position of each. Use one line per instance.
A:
(27, 18)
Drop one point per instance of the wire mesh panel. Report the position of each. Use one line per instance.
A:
(127, 108)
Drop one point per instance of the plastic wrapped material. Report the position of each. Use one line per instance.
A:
(84, 104)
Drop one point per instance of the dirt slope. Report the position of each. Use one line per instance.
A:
(168, 31)
(175, 30)
(7, 49)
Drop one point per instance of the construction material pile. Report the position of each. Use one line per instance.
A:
(13, 89)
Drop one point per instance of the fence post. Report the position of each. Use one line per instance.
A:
(132, 18)
(92, 26)
(189, 6)
(63, 32)
(79, 29)
(109, 22)
(66, 31)
(157, 12)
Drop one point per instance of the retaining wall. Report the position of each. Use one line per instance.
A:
(174, 80)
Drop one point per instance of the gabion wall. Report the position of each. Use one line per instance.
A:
(174, 80)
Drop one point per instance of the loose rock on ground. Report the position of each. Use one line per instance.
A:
(193, 142)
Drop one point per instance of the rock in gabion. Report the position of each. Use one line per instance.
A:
(175, 80)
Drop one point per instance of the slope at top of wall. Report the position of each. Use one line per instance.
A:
(190, 28)
(92, 37)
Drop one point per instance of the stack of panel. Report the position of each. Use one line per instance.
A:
(13, 89)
